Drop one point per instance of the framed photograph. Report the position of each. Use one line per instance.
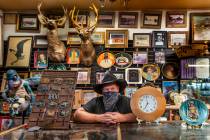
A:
(83, 76)
(99, 77)
(141, 40)
(128, 20)
(160, 57)
(159, 39)
(27, 23)
(10, 18)
(40, 59)
(72, 55)
(151, 19)
(73, 39)
(116, 39)
(40, 41)
(129, 91)
(88, 95)
(106, 20)
(140, 58)
(19, 51)
(176, 19)
(199, 27)
(169, 86)
(133, 75)
(98, 38)
(1, 43)
(177, 39)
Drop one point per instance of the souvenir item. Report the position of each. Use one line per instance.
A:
(129, 91)
(73, 56)
(187, 71)
(170, 70)
(133, 75)
(106, 60)
(202, 68)
(151, 72)
(148, 103)
(40, 59)
(194, 112)
(123, 60)
(169, 86)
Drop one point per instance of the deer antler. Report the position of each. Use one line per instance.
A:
(95, 10)
(62, 20)
(44, 20)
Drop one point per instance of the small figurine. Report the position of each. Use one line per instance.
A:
(193, 112)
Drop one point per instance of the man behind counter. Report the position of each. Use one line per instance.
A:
(111, 107)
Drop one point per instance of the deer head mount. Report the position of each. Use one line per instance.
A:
(87, 51)
(56, 48)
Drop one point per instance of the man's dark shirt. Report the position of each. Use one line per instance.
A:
(96, 105)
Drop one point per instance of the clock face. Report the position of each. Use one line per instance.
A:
(147, 103)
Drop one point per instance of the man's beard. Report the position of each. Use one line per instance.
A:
(110, 99)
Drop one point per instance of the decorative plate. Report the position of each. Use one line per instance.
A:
(106, 59)
(170, 70)
(123, 60)
(194, 112)
(151, 72)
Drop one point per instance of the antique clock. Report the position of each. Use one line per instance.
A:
(148, 104)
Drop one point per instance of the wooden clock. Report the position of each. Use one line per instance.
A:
(148, 103)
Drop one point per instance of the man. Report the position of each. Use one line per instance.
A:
(111, 107)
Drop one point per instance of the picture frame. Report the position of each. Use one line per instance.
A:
(19, 46)
(73, 39)
(1, 42)
(83, 76)
(128, 20)
(116, 39)
(159, 39)
(199, 27)
(151, 19)
(88, 95)
(72, 55)
(176, 19)
(142, 40)
(10, 18)
(133, 75)
(40, 41)
(98, 38)
(119, 75)
(177, 39)
(169, 86)
(99, 77)
(106, 19)
(27, 23)
(160, 57)
(129, 91)
(40, 59)
(140, 57)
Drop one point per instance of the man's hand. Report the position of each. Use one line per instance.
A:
(117, 117)
(105, 118)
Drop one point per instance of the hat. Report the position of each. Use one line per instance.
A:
(108, 79)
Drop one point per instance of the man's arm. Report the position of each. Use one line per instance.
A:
(118, 117)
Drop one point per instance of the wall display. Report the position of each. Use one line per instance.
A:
(27, 23)
(123, 60)
(106, 59)
(188, 72)
(148, 103)
(10, 18)
(159, 39)
(170, 70)
(199, 26)
(116, 39)
(133, 75)
(129, 91)
(169, 86)
(128, 20)
(140, 58)
(98, 38)
(88, 95)
(176, 19)
(73, 39)
(150, 72)
(40, 41)
(99, 77)
(1, 43)
(194, 112)
(83, 76)
(177, 39)
(160, 57)
(151, 19)
(142, 40)
(202, 68)
(106, 20)
(72, 56)
(19, 51)
(40, 59)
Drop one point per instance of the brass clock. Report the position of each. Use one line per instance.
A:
(148, 103)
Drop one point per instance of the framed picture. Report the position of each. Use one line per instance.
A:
(10, 18)
(160, 57)
(27, 23)
(73, 39)
(40, 41)
(128, 20)
(82, 18)
(159, 39)
(106, 20)
(151, 19)
(83, 76)
(119, 75)
(140, 58)
(199, 27)
(19, 51)
(177, 39)
(142, 40)
(116, 39)
(129, 91)
(40, 59)
(169, 86)
(98, 38)
(1, 43)
(176, 19)
(88, 95)
(99, 77)
(133, 75)
(72, 56)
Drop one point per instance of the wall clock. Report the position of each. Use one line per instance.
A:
(148, 103)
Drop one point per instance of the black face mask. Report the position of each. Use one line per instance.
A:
(110, 99)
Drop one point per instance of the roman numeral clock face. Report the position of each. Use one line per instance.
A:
(147, 103)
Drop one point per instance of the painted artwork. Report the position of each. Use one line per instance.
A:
(169, 86)
(73, 56)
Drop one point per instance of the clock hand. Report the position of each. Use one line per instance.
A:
(146, 105)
